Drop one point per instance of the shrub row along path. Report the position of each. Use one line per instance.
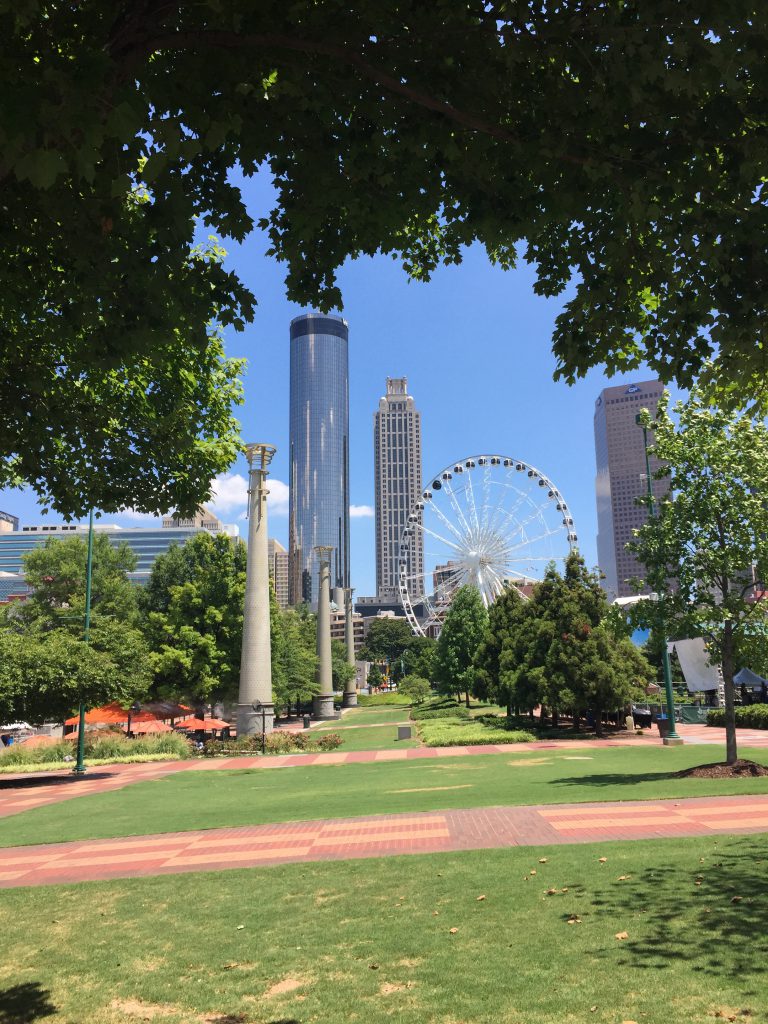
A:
(378, 835)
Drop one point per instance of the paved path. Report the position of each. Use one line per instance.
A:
(377, 836)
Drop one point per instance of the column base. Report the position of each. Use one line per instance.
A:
(349, 700)
(322, 706)
(250, 722)
(673, 741)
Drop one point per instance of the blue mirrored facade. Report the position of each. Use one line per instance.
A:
(319, 453)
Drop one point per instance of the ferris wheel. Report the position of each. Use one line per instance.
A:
(488, 520)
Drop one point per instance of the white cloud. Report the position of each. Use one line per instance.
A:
(230, 496)
(229, 493)
(360, 512)
(139, 518)
(277, 500)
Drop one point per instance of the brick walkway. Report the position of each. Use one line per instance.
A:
(376, 836)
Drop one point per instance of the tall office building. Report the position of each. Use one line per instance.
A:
(278, 570)
(318, 512)
(621, 479)
(397, 457)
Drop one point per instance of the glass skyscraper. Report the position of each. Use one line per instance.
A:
(319, 453)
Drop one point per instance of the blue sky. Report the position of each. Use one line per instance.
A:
(474, 344)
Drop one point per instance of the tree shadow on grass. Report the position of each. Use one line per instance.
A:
(36, 781)
(615, 779)
(23, 1004)
(718, 926)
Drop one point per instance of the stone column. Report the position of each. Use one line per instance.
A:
(350, 687)
(255, 708)
(323, 702)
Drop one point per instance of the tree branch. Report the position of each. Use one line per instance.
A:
(275, 41)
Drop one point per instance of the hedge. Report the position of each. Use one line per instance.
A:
(751, 716)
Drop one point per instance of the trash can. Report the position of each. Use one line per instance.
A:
(663, 723)
(403, 732)
(306, 721)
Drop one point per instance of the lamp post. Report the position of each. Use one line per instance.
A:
(672, 739)
(256, 657)
(323, 701)
(131, 711)
(350, 687)
(79, 768)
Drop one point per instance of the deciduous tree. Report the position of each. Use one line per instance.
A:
(617, 147)
(709, 533)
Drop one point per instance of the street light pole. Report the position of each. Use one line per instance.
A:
(79, 768)
(672, 739)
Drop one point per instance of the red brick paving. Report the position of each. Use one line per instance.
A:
(377, 836)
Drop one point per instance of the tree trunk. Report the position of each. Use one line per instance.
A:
(509, 709)
(730, 709)
(598, 714)
(555, 718)
(576, 719)
(466, 697)
(542, 714)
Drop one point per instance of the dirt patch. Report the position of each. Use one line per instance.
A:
(285, 986)
(529, 760)
(389, 987)
(146, 1011)
(739, 770)
(409, 962)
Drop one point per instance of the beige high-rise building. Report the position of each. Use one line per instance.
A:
(621, 479)
(397, 458)
(278, 570)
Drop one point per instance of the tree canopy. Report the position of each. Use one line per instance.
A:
(709, 534)
(461, 635)
(618, 147)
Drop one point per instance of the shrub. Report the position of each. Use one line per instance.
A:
(751, 716)
(415, 687)
(425, 714)
(459, 733)
(21, 754)
(329, 741)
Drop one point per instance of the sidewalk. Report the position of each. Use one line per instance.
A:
(378, 836)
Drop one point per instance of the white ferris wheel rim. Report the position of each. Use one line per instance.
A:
(479, 538)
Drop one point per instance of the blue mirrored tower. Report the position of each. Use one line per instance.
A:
(319, 453)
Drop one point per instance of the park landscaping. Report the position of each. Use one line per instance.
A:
(193, 799)
(648, 931)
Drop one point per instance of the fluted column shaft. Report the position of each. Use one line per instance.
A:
(256, 656)
(323, 702)
(350, 687)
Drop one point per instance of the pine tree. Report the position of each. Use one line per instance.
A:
(458, 643)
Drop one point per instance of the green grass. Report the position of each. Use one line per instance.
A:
(372, 716)
(211, 799)
(382, 737)
(370, 942)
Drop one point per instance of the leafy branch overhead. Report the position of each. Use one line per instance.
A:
(620, 147)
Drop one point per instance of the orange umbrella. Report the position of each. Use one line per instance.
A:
(145, 727)
(203, 725)
(112, 714)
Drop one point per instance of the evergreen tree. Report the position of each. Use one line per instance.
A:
(504, 616)
(296, 678)
(459, 640)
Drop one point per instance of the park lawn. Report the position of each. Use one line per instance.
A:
(193, 799)
(378, 737)
(406, 938)
(371, 716)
